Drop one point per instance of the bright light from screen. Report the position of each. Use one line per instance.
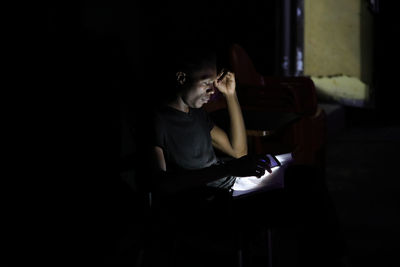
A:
(269, 181)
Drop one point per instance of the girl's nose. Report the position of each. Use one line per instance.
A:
(210, 90)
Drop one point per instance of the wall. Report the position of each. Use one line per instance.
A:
(338, 42)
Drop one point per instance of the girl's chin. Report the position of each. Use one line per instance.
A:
(199, 104)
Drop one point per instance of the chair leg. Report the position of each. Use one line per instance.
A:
(173, 253)
(240, 257)
(269, 246)
(239, 244)
(139, 258)
(268, 234)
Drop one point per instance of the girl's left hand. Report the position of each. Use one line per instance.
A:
(226, 85)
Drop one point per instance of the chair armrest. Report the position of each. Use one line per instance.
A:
(285, 94)
(262, 98)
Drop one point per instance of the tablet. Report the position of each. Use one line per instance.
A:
(245, 186)
(274, 161)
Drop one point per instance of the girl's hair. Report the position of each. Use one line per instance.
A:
(188, 58)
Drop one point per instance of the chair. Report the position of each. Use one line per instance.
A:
(281, 113)
(163, 227)
(149, 221)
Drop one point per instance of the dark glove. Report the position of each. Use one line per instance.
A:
(249, 165)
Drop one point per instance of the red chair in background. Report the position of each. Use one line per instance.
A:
(281, 113)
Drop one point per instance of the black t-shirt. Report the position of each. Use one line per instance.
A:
(186, 141)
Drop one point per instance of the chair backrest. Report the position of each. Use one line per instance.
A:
(290, 94)
(245, 74)
(243, 67)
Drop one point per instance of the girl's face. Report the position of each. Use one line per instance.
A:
(200, 88)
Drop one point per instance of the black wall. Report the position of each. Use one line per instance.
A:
(100, 61)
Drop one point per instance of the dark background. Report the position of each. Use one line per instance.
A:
(97, 60)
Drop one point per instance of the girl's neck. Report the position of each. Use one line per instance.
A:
(179, 104)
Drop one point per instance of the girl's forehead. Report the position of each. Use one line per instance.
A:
(206, 73)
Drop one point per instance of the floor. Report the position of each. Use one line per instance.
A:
(362, 180)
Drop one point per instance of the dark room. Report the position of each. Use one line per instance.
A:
(213, 133)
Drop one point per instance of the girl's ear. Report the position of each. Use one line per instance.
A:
(181, 77)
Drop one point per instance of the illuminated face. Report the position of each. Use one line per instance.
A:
(200, 88)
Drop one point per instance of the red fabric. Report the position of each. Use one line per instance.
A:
(306, 138)
(291, 94)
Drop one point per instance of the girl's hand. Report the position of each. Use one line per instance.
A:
(226, 84)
